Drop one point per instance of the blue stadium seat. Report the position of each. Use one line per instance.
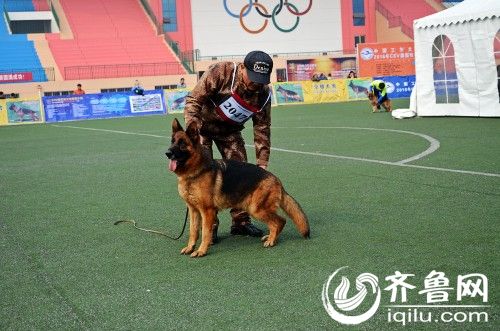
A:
(17, 52)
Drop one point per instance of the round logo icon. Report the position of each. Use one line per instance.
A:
(341, 303)
(390, 87)
(366, 53)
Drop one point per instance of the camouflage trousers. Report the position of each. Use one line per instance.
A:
(231, 147)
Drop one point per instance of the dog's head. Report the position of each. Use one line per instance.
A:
(183, 146)
(370, 95)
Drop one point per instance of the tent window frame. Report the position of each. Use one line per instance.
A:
(445, 80)
(496, 55)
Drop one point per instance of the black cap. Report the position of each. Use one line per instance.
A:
(259, 67)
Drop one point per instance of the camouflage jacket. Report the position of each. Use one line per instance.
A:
(214, 87)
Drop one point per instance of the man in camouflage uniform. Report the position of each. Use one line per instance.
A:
(227, 95)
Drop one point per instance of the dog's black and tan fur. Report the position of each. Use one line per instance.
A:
(387, 104)
(209, 185)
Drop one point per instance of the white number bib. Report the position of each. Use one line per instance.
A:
(231, 110)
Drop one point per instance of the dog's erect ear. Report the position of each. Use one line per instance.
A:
(176, 126)
(193, 132)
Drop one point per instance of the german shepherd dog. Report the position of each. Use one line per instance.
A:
(288, 94)
(358, 89)
(387, 104)
(21, 112)
(209, 185)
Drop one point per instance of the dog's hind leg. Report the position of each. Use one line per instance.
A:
(275, 223)
(208, 219)
(194, 229)
(387, 105)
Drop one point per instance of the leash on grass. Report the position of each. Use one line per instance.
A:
(157, 232)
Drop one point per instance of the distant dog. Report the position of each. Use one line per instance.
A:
(179, 103)
(358, 89)
(209, 185)
(21, 112)
(387, 104)
(288, 94)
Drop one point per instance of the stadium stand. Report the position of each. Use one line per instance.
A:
(19, 5)
(41, 5)
(402, 13)
(18, 53)
(119, 37)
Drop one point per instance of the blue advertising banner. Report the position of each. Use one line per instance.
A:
(398, 86)
(102, 105)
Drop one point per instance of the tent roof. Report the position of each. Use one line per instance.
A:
(468, 10)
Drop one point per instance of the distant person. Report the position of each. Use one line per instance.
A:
(352, 74)
(315, 78)
(182, 83)
(78, 89)
(378, 96)
(2, 96)
(138, 89)
(322, 76)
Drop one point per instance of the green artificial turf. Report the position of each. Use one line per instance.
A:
(65, 266)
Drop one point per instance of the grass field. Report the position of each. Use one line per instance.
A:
(65, 266)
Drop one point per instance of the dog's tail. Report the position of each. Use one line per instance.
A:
(295, 212)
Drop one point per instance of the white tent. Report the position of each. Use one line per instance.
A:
(468, 84)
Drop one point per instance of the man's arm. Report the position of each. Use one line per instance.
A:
(208, 85)
(262, 135)
(382, 95)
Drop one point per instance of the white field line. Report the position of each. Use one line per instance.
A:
(434, 143)
(398, 163)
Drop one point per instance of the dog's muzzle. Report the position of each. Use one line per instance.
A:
(169, 154)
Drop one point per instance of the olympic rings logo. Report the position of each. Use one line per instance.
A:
(262, 11)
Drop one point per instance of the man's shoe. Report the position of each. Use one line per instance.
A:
(246, 229)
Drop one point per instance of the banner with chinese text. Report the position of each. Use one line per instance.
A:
(302, 70)
(102, 105)
(386, 59)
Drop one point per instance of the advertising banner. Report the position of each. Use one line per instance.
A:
(325, 91)
(287, 93)
(386, 59)
(357, 88)
(102, 105)
(176, 100)
(398, 86)
(16, 77)
(302, 70)
(20, 111)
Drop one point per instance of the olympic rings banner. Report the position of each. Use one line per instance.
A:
(20, 111)
(267, 14)
(276, 26)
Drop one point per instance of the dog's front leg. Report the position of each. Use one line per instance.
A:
(208, 217)
(194, 229)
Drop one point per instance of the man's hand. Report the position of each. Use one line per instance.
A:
(263, 167)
